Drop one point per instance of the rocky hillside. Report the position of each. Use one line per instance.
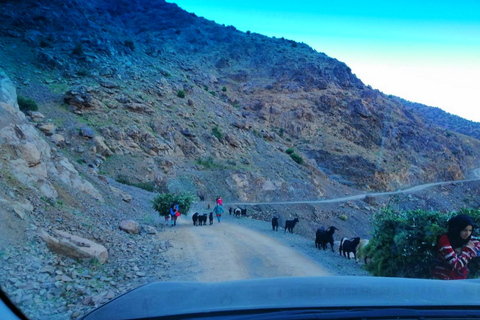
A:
(147, 94)
(438, 117)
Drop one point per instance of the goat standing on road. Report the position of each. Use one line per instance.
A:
(195, 218)
(348, 246)
(323, 237)
(275, 223)
(210, 218)
(290, 224)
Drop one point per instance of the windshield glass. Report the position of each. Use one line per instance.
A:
(213, 145)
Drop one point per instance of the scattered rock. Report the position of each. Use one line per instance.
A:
(130, 226)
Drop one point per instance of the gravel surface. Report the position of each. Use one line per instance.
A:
(330, 261)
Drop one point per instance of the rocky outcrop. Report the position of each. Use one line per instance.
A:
(21, 207)
(8, 97)
(29, 157)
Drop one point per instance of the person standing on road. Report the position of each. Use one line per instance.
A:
(174, 214)
(219, 201)
(218, 210)
(455, 249)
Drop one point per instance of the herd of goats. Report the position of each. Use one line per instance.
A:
(323, 236)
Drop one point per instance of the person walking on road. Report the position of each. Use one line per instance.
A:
(218, 210)
(174, 214)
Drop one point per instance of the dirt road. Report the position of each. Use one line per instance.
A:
(227, 251)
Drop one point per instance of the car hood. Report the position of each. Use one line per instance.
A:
(179, 298)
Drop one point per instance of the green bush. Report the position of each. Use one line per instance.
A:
(343, 217)
(217, 133)
(181, 94)
(78, 50)
(129, 44)
(162, 202)
(206, 162)
(289, 151)
(26, 104)
(224, 89)
(297, 158)
(148, 186)
(403, 243)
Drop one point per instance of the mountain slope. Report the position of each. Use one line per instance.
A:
(172, 95)
(148, 94)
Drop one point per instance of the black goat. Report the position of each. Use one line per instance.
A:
(323, 237)
(244, 212)
(230, 210)
(237, 212)
(290, 224)
(210, 218)
(348, 246)
(275, 223)
(202, 219)
(195, 218)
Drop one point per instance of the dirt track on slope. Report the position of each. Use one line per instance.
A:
(226, 251)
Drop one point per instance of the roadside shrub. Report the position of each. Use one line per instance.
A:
(403, 243)
(289, 151)
(26, 104)
(162, 202)
(217, 133)
(181, 94)
(224, 89)
(343, 217)
(297, 158)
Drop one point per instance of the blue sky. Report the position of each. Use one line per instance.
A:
(423, 51)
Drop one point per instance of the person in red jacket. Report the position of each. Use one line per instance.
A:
(455, 249)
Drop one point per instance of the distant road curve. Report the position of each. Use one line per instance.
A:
(475, 173)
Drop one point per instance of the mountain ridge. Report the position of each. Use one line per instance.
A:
(290, 95)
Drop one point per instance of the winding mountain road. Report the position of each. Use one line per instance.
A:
(474, 173)
(229, 251)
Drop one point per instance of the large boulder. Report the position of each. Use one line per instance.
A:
(74, 246)
(130, 226)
